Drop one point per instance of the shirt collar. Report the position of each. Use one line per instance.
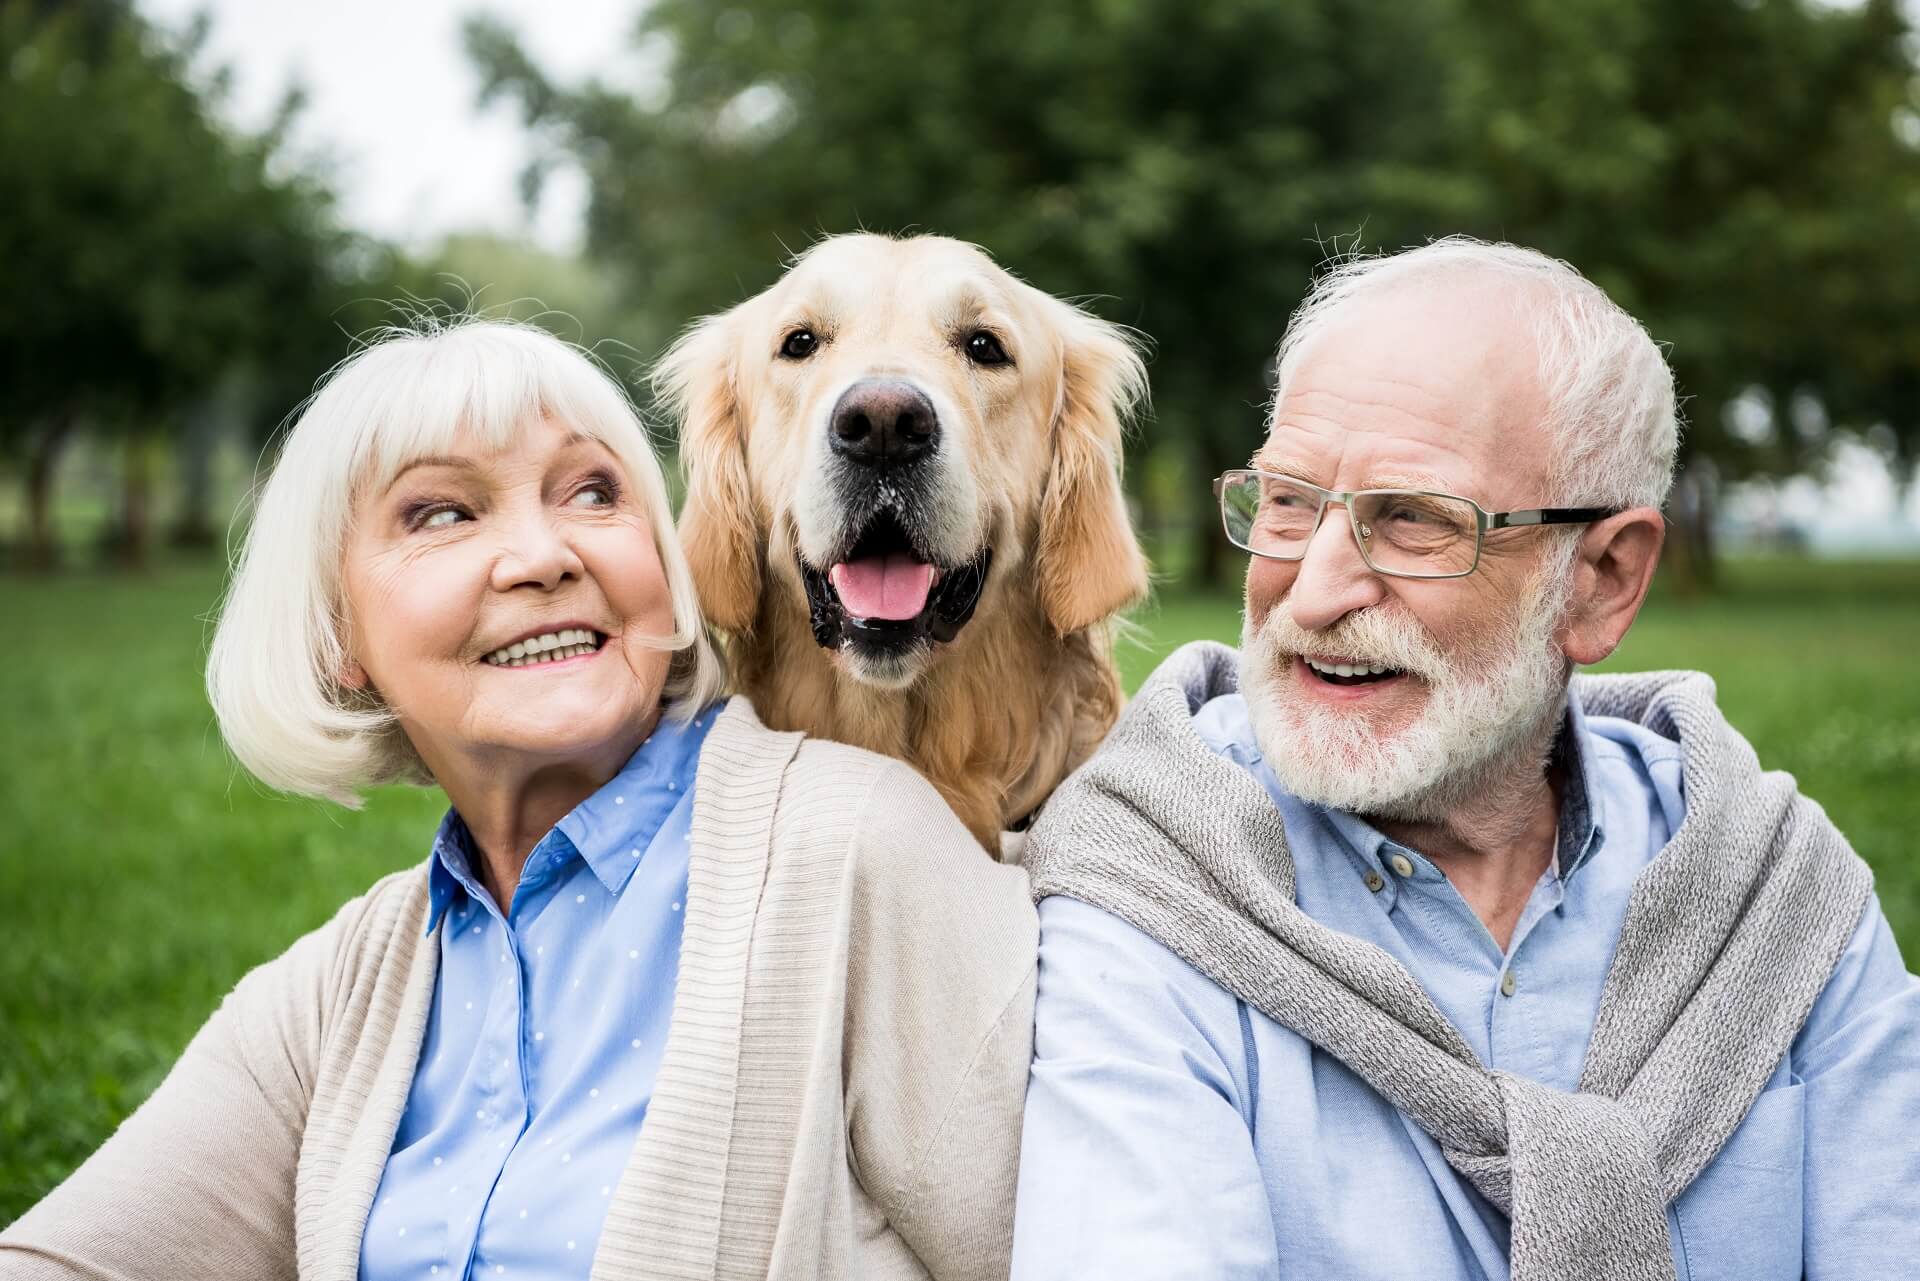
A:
(1581, 813)
(1578, 837)
(449, 868)
(1224, 726)
(610, 830)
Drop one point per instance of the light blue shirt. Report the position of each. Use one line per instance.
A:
(545, 1035)
(1172, 1131)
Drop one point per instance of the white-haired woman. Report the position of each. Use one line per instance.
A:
(673, 996)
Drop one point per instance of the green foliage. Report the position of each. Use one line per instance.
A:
(565, 295)
(145, 873)
(153, 260)
(1736, 175)
(1178, 158)
(1734, 171)
(141, 244)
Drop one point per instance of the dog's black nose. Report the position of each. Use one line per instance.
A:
(884, 421)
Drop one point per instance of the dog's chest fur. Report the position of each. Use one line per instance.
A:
(995, 725)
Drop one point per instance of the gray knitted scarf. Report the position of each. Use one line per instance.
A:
(1731, 933)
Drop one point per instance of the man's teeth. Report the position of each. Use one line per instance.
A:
(549, 648)
(1348, 669)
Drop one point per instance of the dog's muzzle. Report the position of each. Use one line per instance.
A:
(885, 588)
(885, 596)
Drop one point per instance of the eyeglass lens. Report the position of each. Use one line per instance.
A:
(1423, 535)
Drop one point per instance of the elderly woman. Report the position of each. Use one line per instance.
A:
(673, 995)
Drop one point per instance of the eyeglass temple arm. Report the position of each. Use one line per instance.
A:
(1550, 516)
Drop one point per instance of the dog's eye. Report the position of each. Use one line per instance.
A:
(799, 344)
(984, 349)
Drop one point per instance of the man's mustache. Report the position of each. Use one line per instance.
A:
(1380, 636)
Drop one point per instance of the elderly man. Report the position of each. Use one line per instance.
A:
(1384, 948)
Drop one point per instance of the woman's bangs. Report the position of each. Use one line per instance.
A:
(452, 399)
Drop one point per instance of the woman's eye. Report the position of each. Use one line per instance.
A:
(442, 518)
(800, 344)
(597, 495)
(984, 349)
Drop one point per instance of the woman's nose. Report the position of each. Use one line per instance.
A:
(1333, 579)
(535, 553)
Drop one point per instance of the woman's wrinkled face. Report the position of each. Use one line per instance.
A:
(499, 601)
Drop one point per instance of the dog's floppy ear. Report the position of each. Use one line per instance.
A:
(695, 379)
(1090, 565)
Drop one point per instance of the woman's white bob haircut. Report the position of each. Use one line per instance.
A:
(273, 674)
(1611, 403)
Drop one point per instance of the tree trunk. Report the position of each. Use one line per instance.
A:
(1689, 559)
(1217, 563)
(136, 503)
(43, 551)
(193, 527)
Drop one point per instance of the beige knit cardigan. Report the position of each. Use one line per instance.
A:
(840, 1093)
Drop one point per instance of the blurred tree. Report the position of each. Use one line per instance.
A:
(1739, 173)
(1182, 159)
(148, 254)
(1742, 176)
(566, 294)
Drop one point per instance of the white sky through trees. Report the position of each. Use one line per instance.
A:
(393, 107)
(392, 103)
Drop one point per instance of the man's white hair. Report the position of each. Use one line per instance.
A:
(1609, 391)
(274, 672)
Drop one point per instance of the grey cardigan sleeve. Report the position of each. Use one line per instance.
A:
(199, 1181)
(940, 990)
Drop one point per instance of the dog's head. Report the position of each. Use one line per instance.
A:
(894, 432)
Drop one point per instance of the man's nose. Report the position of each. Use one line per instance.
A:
(1333, 579)
(535, 553)
(883, 422)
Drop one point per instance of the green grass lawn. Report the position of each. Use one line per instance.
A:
(142, 874)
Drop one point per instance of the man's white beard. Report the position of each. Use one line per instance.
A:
(1484, 718)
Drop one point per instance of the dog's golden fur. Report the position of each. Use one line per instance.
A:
(998, 716)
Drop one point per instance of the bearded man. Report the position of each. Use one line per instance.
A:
(1386, 947)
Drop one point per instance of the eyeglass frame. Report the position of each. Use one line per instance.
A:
(1485, 522)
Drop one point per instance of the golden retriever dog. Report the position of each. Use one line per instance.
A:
(904, 511)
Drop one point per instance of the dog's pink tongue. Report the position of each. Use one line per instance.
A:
(893, 586)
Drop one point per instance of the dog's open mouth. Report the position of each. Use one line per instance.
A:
(885, 594)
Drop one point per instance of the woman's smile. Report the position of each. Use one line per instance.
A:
(549, 648)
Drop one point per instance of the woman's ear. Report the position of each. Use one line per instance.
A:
(1089, 563)
(718, 529)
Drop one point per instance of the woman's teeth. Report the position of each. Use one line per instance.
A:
(550, 648)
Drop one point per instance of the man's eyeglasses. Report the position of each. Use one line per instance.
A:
(1407, 533)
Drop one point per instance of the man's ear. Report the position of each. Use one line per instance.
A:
(1611, 574)
(696, 380)
(1089, 563)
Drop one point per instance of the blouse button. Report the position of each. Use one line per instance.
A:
(1402, 864)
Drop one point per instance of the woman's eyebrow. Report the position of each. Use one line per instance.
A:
(433, 460)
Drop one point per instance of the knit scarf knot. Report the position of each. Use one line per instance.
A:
(1731, 933)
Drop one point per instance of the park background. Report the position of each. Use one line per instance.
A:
(194, 227)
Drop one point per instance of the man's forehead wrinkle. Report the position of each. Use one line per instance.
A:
(1325, 410)
(1336, 455)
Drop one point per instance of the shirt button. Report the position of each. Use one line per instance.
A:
(1375, 881)
(1507, 984)
(1402, 864)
